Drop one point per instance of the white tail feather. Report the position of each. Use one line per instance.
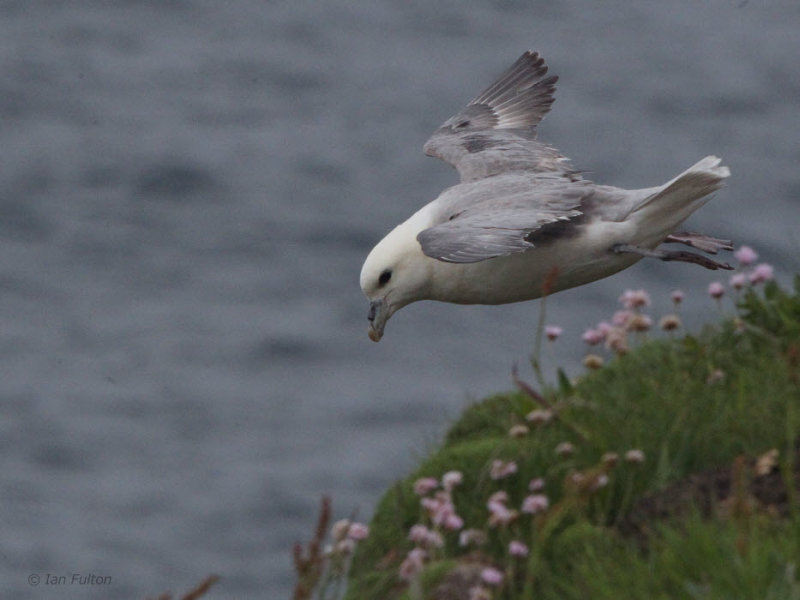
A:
(680, 197)
(662, 212)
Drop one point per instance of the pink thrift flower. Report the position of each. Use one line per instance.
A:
(518, 431)
(592, 361)
(634, 456)
(417, 554)
(451, 479)
(453, 522)
(492, 576)
(424, 485)
(517, 548)
(339, 529)
(599, 482)
(593, 336)
(577, 479)
(358, 531)
(540, 416)
(413, 564)
(609, 459)
(621, 318)
(433, 539)
(502, 516)
(762, 273)
(432, 505)
(565, 449)
(536, 485)
(345, 547)
(471, 536)
(670, 322)
(617, 341)
(738, 281)
(496, 506)
(499, 512)
(553, 332)
(716, 290)
(535, 503)
(479, 592)
(631, 299)
(604, 327)
(418, 533)
(501, 469)
(639, 322)
(500, 497)
(677, 296)
(442, 510)
(746, 256)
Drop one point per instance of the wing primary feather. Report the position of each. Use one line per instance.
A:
(496, 132)
(541, 89)
(527, 68)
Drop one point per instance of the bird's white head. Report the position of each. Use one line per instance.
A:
(395, 273)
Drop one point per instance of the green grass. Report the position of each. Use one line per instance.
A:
(659, 399)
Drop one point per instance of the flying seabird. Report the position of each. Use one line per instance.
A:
(523, 223)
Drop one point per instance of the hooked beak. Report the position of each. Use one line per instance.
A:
(377, 319)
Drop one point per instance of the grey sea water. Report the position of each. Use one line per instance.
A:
(187, 192)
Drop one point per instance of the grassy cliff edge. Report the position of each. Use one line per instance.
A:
(672, 471)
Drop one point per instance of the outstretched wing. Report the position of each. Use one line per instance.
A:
(501, 215)
(496, 132)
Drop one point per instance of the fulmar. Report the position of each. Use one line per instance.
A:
(522, 222)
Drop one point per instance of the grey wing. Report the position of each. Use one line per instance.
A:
(502, 226)
(496, 132)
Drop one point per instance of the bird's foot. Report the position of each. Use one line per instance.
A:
(681, 256)
(703, 242)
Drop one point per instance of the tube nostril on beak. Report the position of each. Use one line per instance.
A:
(371, 313)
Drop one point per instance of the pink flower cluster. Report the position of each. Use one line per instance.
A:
(634, 456)
(500, 515)
(440, 512)
(615, 333)
(746, 256)
(472, 537)
(634, 299)
(413, 563)
(345, 535)
(428, 538)
(501, 469)
(749, 273)
(540, 416)
(716, 290)
(535, 503)
(490, 577)
(441, 517)
(761, 273)
(553, 332)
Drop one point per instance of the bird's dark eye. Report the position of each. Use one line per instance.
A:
(462, 124)
(384, 277)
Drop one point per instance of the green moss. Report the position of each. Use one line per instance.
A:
(689, 404)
